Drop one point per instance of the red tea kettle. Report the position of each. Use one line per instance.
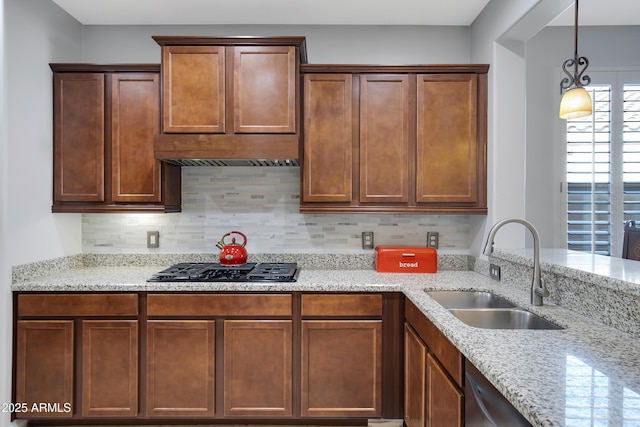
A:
(232, 253)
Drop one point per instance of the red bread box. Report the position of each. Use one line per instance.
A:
(406, 259)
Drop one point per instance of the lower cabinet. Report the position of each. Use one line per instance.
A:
(341, 355)
(258, 368)
(342, 368)
(44, 368)
(69, 363)
(433, 394)
(139, 358)
(445, 401)
(415, 379)
(109, 368)
(180, 368)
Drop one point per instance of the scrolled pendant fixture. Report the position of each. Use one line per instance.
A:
(576, 101)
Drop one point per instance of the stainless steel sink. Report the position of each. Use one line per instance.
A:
(487, 310)
(503, 318)
(469, 299)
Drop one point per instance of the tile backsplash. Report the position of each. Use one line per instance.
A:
(263, 203)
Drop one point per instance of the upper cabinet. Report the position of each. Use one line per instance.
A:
(328, 135)
(447, 141)
(394, 139)
(239, 96)
(384, 138)
(105, 118)
(193, 84)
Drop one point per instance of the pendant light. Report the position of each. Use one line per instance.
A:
(576, 102)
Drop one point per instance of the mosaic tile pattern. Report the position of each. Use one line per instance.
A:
(263, 203)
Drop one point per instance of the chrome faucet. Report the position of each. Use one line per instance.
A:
(538, 288)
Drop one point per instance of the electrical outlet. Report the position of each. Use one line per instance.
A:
(432, 239)
(367, 240)
(494, 271)
(153, 239)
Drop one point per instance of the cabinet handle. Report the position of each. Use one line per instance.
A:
(408, 254)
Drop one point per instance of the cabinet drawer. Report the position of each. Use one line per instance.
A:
(446, 353)
(46, 305)
(342, 305)
(219, 305)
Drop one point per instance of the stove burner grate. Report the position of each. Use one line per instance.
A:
(214, 272)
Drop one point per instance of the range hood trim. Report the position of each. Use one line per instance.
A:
(227, 150)
(234, 162)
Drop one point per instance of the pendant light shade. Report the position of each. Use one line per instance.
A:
(576, 101)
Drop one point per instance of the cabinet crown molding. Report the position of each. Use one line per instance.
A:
(380, 69)
(103, 68)
(297, 41)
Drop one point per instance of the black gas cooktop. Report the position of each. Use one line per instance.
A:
(214, 272)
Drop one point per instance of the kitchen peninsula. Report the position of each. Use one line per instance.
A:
(543, 373)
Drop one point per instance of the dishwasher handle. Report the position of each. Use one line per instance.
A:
(479, 400)
(485, 406)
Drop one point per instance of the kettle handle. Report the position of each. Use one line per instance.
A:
(235, 232)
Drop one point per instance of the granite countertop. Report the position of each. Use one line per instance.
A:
(585, 374)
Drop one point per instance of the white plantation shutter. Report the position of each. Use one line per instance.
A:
(589, 177)
(631, 152)
(603, 169)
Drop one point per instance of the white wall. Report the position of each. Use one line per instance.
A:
(35, 33)
(362, 44)
(40, 33)
(506, 115)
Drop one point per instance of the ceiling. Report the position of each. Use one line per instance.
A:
(325, 12)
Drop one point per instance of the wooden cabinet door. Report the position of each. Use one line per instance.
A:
(258, 367)
(444, 400)
(264, 89)
(44, 367)
(78, 137)
(109, 368)
(328, 138)
(447, 138)
(180, 368)
(135, 104)
(193, 87)
(415, 379)
(384, 138)
(341, 368)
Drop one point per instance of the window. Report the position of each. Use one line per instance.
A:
(603, 168)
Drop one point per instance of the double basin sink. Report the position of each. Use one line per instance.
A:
(487, 310)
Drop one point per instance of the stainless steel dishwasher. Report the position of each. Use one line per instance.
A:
(485, 406)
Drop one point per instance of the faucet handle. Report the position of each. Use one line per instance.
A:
(543, 291)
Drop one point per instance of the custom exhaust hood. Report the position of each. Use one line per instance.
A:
(230, 101)
(227, 150)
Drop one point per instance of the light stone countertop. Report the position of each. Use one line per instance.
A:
(586, 374)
